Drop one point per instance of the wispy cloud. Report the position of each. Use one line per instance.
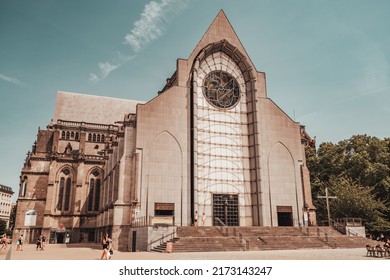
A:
(12, 80)
(152, 22)
(148, 28)
(105, 68)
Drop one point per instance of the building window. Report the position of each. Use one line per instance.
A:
(90, 195)
(94, 137)
(67, 135)
(64, 190)
(89, 137)
(76, 136)
(60, 194)
(24, 187)
(63, 135)
(94, 191)
(67, 194)
(97, 195)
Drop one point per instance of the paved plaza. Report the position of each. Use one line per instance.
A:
(87, 252)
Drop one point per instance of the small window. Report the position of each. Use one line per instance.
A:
(24, 187)
(63, 135)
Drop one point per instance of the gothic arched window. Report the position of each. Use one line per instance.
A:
(64, 190)
(89, 137)
(90, 194)
(24, 187)
(97, 195)
(63, 135)
(93, 199)
(68, 188)
(67, 135)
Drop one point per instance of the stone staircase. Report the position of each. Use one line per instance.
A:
(210, 239)
(278, 238)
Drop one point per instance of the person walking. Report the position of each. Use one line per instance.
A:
(4, 241)
(19, 243)
(203, 219)
(110, 249)
(39, 243)
(106, 247)
(43, 242)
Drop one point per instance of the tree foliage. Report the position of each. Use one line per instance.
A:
(12, 218)
(3, 227)
(357, 171)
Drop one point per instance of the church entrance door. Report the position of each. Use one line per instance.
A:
(225, 209)
(60, 237)
(285, 216)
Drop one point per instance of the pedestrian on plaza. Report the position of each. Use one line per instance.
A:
(43, 242)
(39, 244)
(203, 219)
(110, 249)
(106, 247)
(19, 243)
(196, 218)
(4, 242)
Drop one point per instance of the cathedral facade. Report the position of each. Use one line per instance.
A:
(210, 142)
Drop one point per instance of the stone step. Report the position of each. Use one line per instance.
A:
(208, 239)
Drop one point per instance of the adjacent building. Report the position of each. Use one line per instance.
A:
(211, 142)
(5, 203)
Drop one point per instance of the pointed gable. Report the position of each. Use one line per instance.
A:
(220, 29)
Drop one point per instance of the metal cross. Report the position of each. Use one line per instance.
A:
(327, 197)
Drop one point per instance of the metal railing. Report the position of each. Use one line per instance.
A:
(153, 221)
(244, 243)
(350, 221)
(162, 239)
(140, 222)
(327, 237)
(342, 227)
(223, 228)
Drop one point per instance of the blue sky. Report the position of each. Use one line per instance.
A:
(326, 62)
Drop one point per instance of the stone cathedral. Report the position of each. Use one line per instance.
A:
(211, 142)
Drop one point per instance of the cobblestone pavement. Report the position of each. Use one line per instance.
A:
(81, 252)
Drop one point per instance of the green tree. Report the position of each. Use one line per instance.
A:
(358, 169)
(3, 227)
(12, 218)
